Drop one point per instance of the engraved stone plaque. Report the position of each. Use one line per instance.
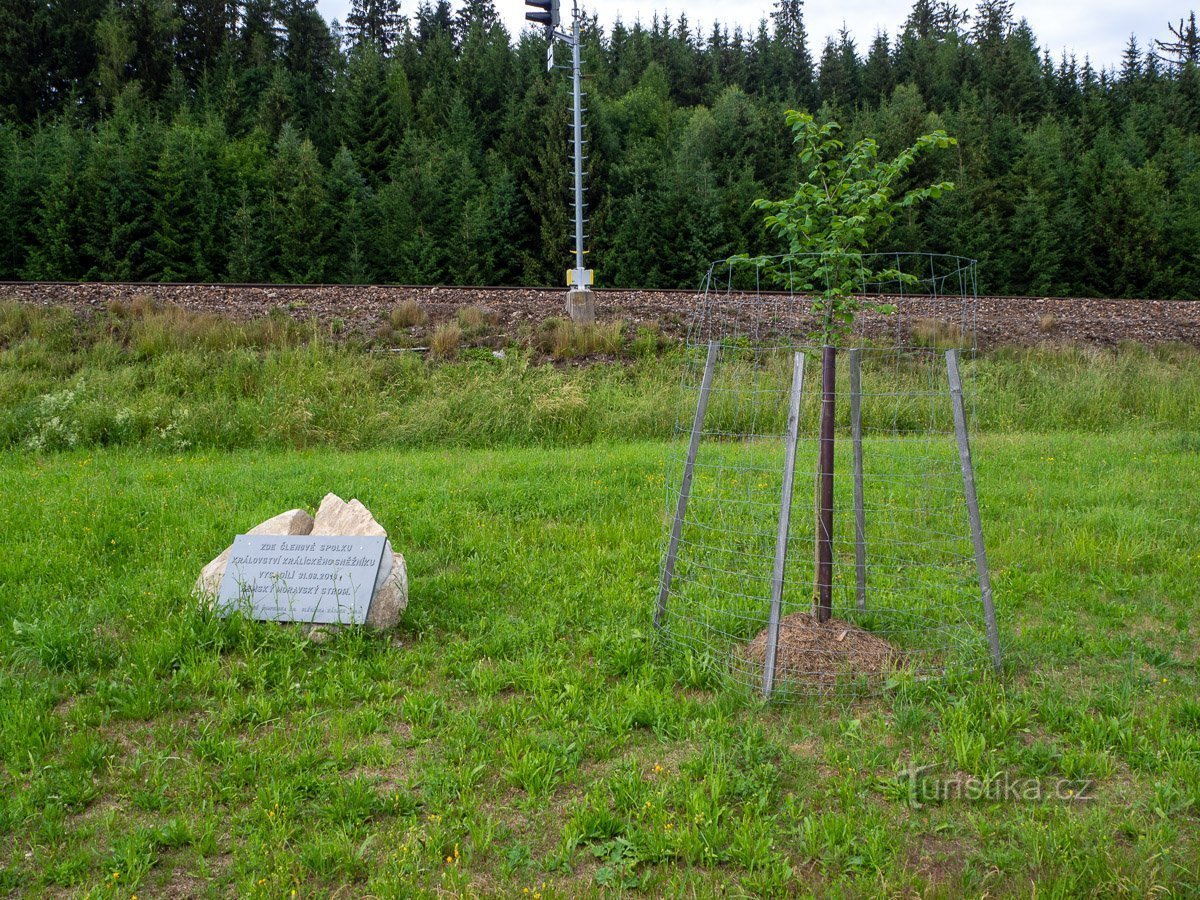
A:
(323, 579)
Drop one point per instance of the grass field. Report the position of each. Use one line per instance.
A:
(520, 735)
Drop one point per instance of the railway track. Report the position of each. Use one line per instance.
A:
(363, 308)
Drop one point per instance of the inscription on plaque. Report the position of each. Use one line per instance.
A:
(322, 579)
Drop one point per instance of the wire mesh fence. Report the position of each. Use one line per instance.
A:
(906, 576)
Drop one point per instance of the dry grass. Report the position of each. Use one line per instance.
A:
(445, 341)
(564, 339)
(408, 314)
(1047, 323)
(475, 319)
(149, 327)
(937, 333)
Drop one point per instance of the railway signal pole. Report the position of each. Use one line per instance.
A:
(581, 303)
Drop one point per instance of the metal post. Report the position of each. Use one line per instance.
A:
(824, 571)
(860, 523)
(581, 301)
(577, 93)
(968, 474)
(685, 486)
(785, 513)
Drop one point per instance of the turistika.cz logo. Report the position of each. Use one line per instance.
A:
(921, 786)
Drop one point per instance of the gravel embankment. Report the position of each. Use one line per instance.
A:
(362, 309)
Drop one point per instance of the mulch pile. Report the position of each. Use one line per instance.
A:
(823, 654)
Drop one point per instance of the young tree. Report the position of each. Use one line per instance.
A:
(846, 201)
(245, 243)
(56, 232)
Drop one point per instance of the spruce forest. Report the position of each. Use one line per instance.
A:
(249, 140)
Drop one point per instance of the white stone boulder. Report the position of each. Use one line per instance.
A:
(338, 516)
(335, 516)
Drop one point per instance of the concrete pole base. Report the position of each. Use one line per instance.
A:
(581, 305)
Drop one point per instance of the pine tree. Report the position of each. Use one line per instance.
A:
(879, 77)
(494, 224)
(204, 28)
(246, 263)
(791, 39)
(15, 202)
(56, 233)
(135, 46)
(119, 223)
(309, 58)
(1185, 49)
(840, 78)
(1131, 61)
(374, 23)
(375, 109)
(24, 50)
(187, 206)
(255, 49)
(350, 206)
(299, 210)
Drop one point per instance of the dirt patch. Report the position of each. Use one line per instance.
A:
(823, 654)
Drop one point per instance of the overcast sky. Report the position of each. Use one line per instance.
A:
(1096, 28)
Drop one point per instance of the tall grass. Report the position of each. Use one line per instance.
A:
(161, 377)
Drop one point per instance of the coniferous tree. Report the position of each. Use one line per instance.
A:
(375, 109)
(246, 256)
(56, 233)
(1185, 48)
(119, 227)
(374, 23)
(878, 75)
(187, 205)
(300, 210)
(796, 65)
(204, 28)
(24, 48)
(350, 203)
(147, 139)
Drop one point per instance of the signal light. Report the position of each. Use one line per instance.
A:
(544, 12)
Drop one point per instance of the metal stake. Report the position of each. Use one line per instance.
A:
(685, 486)
(860, 523)
(785, 513)
(824, 572)
(968, 474)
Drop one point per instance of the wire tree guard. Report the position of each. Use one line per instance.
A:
(910, 594)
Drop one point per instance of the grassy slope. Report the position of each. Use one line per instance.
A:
(519, 730)
(168, 381)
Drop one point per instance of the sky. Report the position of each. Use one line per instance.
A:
(1096, 28)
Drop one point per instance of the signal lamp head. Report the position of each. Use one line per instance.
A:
(545, 13)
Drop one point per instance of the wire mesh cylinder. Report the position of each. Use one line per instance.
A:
(906, 592)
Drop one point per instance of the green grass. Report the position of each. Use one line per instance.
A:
(166, 380)
(519, 729)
